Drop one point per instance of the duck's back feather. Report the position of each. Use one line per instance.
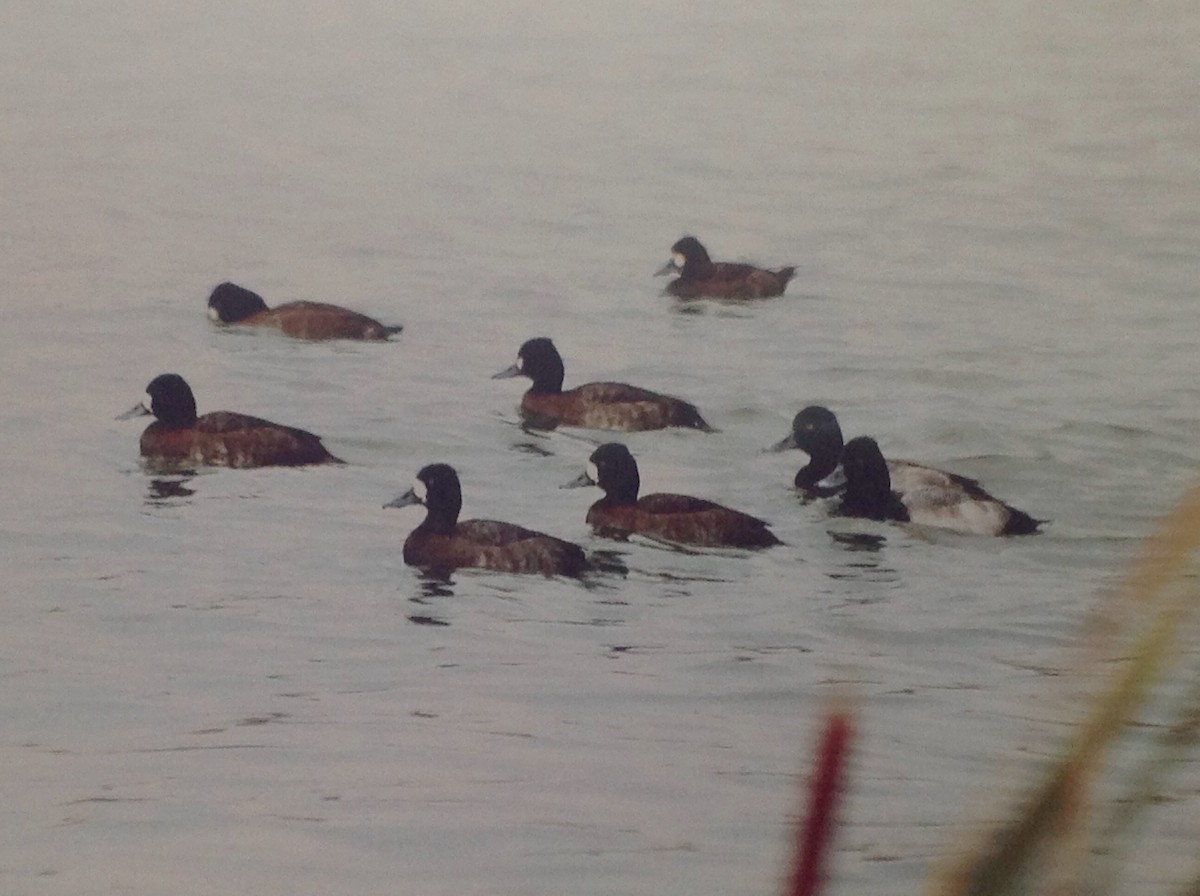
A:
(683, 519)
(909, 476)
(319, 320)
(613, 406)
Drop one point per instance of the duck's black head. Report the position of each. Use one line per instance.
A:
(688, 255)
(171, 400)
(816, 432)
(868, 483)
(864, 465)
(230, 303)
(539, 360)
(438, 489)
(613, 468)
(691, 249)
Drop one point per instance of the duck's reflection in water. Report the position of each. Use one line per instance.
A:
(434, 587)
(863, 559)
(170, 491)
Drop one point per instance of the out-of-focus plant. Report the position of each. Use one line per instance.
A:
(1160, 594)
(1064, 823)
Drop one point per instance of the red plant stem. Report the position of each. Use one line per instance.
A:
(815, 833)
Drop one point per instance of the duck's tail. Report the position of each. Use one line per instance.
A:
(1020, 523)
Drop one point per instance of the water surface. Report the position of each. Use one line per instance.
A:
(231, 682)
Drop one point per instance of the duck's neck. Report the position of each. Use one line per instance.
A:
(874, 500)
(623, 496)
(820, 466)
(440, 520)
(548, 381)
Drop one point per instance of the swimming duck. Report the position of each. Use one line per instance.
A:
(677, 518)
(700, 276)
(614, 406)
(233, 304)
(932, 497)
(220, 438)
(441, 543)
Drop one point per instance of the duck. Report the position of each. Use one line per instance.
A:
(700, 276)
(219, 438)
(611, 406)
(932, 497)
(443, 543)
(676, 518)
(232, 304)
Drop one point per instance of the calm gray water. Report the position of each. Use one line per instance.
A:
(231, 683)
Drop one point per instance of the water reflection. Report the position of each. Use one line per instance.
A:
(864, 562)
(428, 605)
(535, 423)
(605, 563)
(730, 308)
(532, 448)
(419, 619)
(170, 492)
(859, 541)
(433, 586)
(542, 430)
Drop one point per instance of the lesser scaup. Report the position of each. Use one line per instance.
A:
(219, 438)
(678, 518)
(614, 406)
(441, 543)
(233, 304)
(932, 497)
(700, 276)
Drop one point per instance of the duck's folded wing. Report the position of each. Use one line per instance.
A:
(908, 476)
(507, 546)
(611, 393)
(952, 508)
(670, 503)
